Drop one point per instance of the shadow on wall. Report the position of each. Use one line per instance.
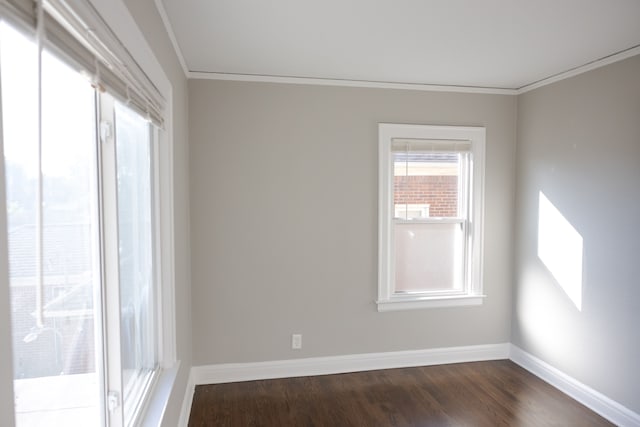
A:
(560, 249)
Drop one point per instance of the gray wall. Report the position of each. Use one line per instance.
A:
(284, 220)
(150, 23)
(579, 143)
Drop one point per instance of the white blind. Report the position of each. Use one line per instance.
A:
(75, 31)
(22, 11)
(430, 145)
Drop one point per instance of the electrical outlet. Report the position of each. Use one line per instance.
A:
(296, 341)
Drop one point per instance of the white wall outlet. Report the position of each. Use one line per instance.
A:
(296, 341)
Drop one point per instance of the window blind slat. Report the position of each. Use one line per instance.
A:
(21, 12)
(75, 32)
(126, 80)
(61, 42)
(429, 145)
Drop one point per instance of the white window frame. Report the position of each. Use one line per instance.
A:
(423, 208)
(114, 385)
(117, 16)
(472, 294)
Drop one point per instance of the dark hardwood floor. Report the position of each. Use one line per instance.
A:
(496, 393)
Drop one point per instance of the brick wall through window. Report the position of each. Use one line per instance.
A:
(440, 192)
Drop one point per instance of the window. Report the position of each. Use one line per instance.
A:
(430, 216)
(53, 236)
(134, 145)
(87, 230)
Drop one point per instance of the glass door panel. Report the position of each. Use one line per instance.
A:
(53, 251)
(135, 243)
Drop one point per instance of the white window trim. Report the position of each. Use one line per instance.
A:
(473, 295)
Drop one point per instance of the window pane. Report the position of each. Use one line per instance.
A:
(428, 257)
(138, 343)
(54, 343)
(425, 185)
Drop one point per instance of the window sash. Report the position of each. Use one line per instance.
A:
(432, 220)
(131, 394)
(463, 253)
(134, 145)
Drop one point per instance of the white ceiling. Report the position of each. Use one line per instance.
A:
(506, 44)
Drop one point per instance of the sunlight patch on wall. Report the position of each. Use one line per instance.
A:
(560, 249)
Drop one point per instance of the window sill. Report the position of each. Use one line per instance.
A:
(404, 303)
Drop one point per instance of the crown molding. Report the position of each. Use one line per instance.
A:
(172, 36)
(347, 83)
(601, 62)
(319, 81)
(598, 63)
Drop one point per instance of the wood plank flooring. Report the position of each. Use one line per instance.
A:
(495, 393)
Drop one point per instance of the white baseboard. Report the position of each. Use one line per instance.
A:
(594, 400)
(187, 402)
(234, 372)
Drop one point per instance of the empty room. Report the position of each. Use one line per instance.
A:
(319, 213)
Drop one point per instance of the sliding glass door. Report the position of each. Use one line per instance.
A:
(81, 226)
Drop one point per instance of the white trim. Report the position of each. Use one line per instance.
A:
(165, 197)
(172, 36)
(116, 14)
(318, 81)
(156, 406)
(472, 264)
(594, 400)
(187, 401)
(234, 372)
(399, 303)
(610, 59)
